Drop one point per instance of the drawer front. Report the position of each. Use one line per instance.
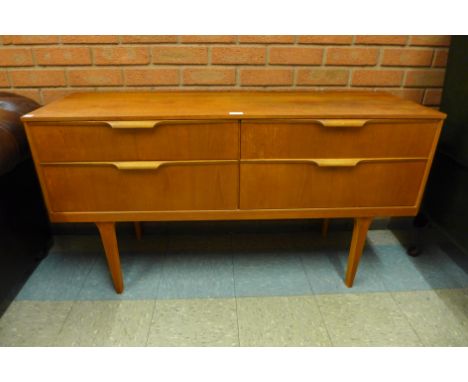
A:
(127, 187)
(131, 141)
(336, 139)
(307, 185)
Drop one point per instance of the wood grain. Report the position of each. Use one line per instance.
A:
(98, 142)
(361, 226)
(111, 250)
(296, 185)
(105, 188)
(216, 105)
(309, 139)
(109, 157)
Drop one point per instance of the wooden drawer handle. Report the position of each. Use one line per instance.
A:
(142, 165)
(332, 162)
(342, 122)
(152, 124)
(346, 162)
(132, 124)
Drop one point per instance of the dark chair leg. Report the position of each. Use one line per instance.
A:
(416, 248)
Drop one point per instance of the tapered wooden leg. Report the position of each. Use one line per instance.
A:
(111, 249)
(138, 230)
(325, 224)
(361, 226)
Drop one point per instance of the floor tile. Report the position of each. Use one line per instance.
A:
(265, 265)
(107, 323)
(197, 267)
(76, 243)
(438, 269)
(371, 319)
(33, 323)
(141, 273)
(382, 237)
(432, 269)
(195, 322)
(439, 317)
(60, 276)
(325, 268)
(281, 321)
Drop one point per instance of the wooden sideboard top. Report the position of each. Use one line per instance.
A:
(227, 105)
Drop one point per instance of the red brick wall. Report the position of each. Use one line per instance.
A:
(48, 67)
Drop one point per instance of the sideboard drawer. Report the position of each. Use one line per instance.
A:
(137, 140)
(125, 186)
(337, 138)
(307, 185)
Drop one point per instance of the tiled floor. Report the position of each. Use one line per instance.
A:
(231, 289)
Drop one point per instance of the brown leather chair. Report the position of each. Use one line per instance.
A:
(25, 234)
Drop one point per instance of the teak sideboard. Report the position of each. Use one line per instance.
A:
(111, 157)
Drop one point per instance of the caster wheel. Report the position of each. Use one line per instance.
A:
(413, 251)
(420, 221)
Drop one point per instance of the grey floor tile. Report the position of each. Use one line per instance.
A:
(325, 268)
(281, 321)
(432, 269)
(195, 322)
(197, 267)
(141, 273)
(382, 237)
(371, 319)
(439, 269)
(398, 270)
(267, 265)
(33, 323)
(141, 262)
(60, 276)
(439, 317)
(76, 243)
(107, 323)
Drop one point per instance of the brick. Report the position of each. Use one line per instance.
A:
(37, 78)
(367, 77)
(425, 78)
(34, 94)
(207, 39)
(139, 77)
(87, 39)
(4, 79)
(209, 76)
(430, 40)
(440, 59)
(352, 56)
(180, 55)
(121, 55)
(381, 40)
(407, 57)
(349, 89)
(296, 56)
(327, 40)
(15, 57)
(432, 97)
(63, 56)
(266, 77)
(30, 40)
(49, 95)
(129, 89)
(257, 39)
(95, 77)
(415, 95)
(322, 76)
(238, 55)
(146, 39)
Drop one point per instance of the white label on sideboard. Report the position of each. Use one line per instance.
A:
(236, 113)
